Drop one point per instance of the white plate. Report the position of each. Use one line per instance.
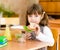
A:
(17, 27)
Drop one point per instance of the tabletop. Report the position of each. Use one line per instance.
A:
(28, 45)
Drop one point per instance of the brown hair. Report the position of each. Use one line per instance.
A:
(34, 9)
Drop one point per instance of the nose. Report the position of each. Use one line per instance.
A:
(33, 19)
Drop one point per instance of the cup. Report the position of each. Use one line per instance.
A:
(21, 37)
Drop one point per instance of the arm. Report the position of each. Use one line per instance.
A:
(46, 36)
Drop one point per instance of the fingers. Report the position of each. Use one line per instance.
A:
(28, 36)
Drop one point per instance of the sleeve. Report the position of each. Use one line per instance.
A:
(46, 36)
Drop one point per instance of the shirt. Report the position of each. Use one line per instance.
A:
(46, 36)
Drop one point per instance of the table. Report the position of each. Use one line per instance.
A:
(28, 45)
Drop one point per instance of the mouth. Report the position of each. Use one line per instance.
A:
(32, 25)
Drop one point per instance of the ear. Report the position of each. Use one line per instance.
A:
(43, 15)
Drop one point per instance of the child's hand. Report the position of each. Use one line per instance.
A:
(37, 29)
(28, 36)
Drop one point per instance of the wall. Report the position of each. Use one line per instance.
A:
(19, 6)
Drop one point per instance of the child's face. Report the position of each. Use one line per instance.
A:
(34, 18)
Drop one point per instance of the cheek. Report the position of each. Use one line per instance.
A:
(29, 19)
(38, 20)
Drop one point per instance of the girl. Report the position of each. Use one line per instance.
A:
(37, 20)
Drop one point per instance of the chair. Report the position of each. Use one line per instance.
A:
(55, 35)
